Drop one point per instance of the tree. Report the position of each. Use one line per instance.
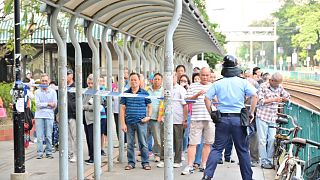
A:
(30, 9)
(299, 27)
(211, 58)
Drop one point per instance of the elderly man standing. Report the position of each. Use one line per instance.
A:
(270, 94)
(134, 118)
(201, 124)
(46, 102)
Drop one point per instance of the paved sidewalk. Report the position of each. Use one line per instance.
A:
(48, 169)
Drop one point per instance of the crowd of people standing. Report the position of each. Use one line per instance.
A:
(197, 139)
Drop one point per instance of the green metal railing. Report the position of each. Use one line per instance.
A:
(309, 120)
(312, 76)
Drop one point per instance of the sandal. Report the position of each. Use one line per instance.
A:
(128, 167)
(146, 167)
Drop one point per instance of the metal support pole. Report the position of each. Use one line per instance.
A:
(44, 54)
(150, 59)
(275, 47)
(251, 52)
(119, 52)
(110, 119)
(18, 99)
(127, 53)
(153, 56)
(168, 87)
(79, 104)
(136, 55)
(94, 45)
(60, 36)
(144, 60)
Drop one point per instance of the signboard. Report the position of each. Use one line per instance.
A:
(294, 58)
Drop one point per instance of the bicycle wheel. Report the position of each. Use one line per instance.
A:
(312, 169)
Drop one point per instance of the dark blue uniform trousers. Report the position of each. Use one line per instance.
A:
(230, 126)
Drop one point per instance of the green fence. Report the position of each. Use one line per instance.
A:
(312, 76)
(309, 120)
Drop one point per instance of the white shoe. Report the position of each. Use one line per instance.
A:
(73, 160)
(187, 170)
(177, 165)
(160, 164)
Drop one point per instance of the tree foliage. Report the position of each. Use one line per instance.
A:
(299, 27)
(211, 58)
(30, 9)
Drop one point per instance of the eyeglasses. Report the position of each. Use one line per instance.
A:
(184, 81)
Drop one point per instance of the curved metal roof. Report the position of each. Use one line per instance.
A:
(146, 20)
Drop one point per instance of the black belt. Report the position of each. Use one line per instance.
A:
(89, 110)
(230, 114)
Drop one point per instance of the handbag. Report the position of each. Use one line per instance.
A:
(244, 117)
(3, 113)
(216, 116)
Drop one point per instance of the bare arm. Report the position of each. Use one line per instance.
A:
(208, 104)
(254, 100)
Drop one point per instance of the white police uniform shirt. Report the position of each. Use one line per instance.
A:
(231, 93)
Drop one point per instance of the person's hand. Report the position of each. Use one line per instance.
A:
(124, 128)
(51, 104)
(145, 119)
(160, 119)
(277, 99)
(251, 116)
(202, 92)
(185, 124)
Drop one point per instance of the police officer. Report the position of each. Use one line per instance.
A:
(230, 91)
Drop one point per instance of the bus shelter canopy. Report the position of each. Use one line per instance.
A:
(147, 20)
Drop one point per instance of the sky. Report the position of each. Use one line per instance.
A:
(239, 13)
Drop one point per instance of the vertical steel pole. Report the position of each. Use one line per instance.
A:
(60, 37)
(18, 115)
(127, 53)
(153, 56)
(94, 45)
(44, 54)
(150, 59)
(110, 119)
(275, 47)
(119, 52)
(168, 86)
(136, 55)
(144, 60)
(79, 104)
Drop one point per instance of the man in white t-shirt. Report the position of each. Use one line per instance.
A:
(201, 123)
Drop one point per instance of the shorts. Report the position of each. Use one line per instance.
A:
(199, 129)
(104, 126)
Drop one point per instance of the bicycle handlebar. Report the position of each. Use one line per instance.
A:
(314, 143)
(281, 128)
(293, 121)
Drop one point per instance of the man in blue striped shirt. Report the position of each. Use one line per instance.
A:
(46, 102)
(133, 117)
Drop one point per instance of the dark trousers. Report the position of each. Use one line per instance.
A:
(88, 129)
(116, 121)
(230, 126)
(228, 150)
(177, 141)
(254, 145)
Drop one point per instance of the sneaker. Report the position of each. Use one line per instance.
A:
(73, 160)
(49, 156)
(206, 178)
(103, 153)
(202, 168)
(35, 140)
(157, 159)
(160, 164)
(89, 161)
(254, 164)
(220, 162)
(39, 157)
(177, 165)
(187, 170)
(230, 160)
(267, 166)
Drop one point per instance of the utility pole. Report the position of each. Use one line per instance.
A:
(18, 103)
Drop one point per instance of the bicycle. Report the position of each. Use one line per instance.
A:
(282, 134)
